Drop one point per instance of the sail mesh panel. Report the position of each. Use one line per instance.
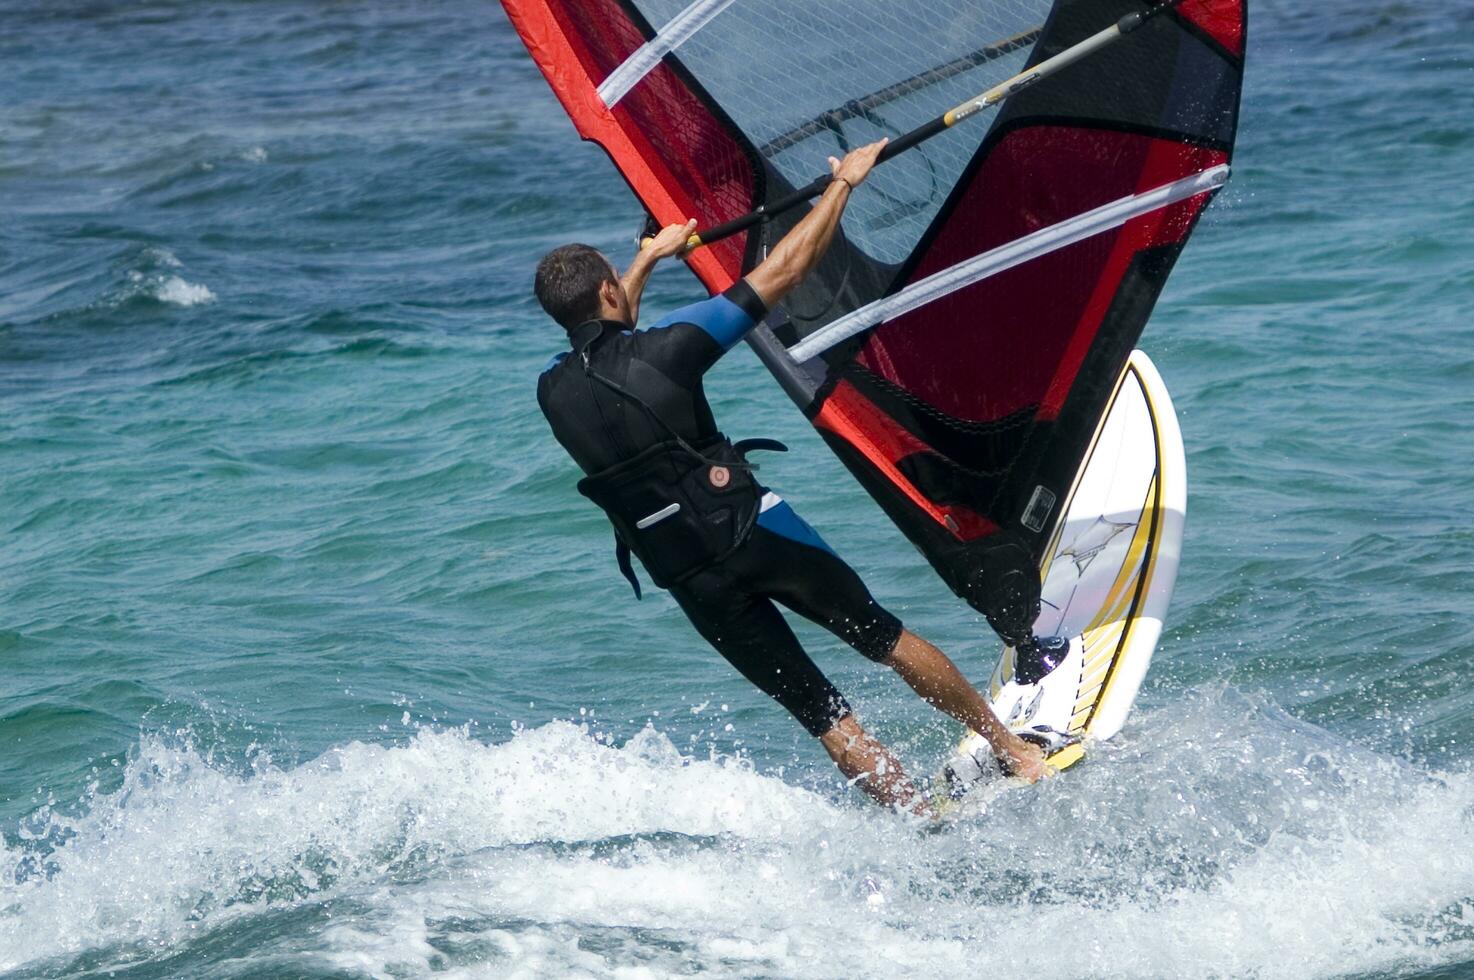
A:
(777, 67)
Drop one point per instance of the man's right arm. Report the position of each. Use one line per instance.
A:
(802, 248)
(724, 320)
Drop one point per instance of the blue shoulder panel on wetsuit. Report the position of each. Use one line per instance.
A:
(554, 361)
(721, 319)
(781, 519)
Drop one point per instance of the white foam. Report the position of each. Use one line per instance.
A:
(158, 256)
(1234, 841)
(174, 290)
(155, 279)
(183, 839)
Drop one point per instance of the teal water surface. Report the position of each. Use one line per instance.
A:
(313, 662)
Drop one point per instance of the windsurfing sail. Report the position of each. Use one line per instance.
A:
(958, 344)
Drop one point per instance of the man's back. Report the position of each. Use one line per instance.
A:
(662, 366)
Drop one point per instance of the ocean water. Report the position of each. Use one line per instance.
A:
(313, 663)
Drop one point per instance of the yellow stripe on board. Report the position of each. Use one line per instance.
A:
(1097, 669)
(1146, 585)
(1098, 641)
(1100, 646)
(1093, 679)
(1159, 516)
(1109, 633)
(1067, 756)
(1119, 597)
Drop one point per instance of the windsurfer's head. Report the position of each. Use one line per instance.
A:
(576, 283)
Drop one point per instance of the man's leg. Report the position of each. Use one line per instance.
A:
(934, 677)
(807, 576)
(864, 760)
(753, 636)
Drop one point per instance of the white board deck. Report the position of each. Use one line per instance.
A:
(1107, 580)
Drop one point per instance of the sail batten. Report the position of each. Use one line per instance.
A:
(671, 36)
(1005, 257)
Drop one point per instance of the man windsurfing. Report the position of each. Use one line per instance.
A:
(628, 406)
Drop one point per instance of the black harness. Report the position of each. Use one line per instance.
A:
(681, 508)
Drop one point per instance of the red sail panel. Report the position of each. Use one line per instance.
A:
(1009, 349)
(852, 417)
(678, 156)
(1165, 163)
(989, 350)
(1224, 22)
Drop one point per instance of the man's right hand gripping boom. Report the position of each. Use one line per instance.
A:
(800, 250)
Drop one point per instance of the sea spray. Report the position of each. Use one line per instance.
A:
(1219, 839)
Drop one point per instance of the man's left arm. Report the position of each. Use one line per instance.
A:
(671, 241)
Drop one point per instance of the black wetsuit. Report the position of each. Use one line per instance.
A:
(731, 602)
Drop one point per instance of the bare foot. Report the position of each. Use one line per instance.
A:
(1024, 760)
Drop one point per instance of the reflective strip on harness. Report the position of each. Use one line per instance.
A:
(658, 516)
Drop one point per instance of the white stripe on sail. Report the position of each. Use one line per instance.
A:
(1005, 257)
(670, 37)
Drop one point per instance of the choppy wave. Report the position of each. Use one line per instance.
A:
(155, 277)
(1234, 841)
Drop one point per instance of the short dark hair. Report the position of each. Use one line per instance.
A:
(567, 283)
